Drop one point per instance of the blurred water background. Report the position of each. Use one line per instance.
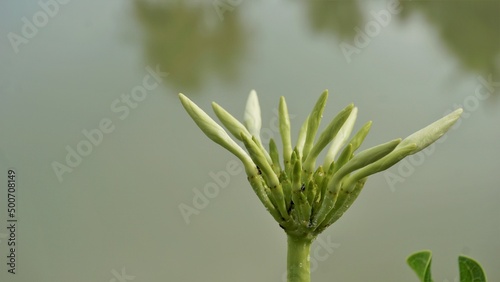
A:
(116, 212)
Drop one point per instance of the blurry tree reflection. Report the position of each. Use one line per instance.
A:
(337, 17)
(190, 42)
(469, 29)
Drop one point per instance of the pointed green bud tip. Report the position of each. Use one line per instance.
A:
(302, 137)
(360, 136)
(302, 209)
(313, 123)
(327, 136)
(429, 134)
(341, 137)
(252, 117)
(229, 121)
(284, 126)
(213, 130)
(367, 157)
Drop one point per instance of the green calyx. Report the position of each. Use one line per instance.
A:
(302, 198)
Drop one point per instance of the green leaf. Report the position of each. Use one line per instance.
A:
(470, 270)
(420, 262)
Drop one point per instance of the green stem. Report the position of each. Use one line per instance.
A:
(298, 266)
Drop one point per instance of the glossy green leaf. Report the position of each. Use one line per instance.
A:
(470, 270)
(420, 262)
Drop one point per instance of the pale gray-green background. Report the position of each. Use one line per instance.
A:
(120, 207)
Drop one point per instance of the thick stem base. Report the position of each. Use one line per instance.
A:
(298, 264)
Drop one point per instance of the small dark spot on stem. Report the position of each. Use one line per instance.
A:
(303, 187)
(260, 171)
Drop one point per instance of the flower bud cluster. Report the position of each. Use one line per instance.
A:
(302, 198)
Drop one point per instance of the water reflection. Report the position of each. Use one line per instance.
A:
(190, 42)
(337, 17)
(469, 29)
